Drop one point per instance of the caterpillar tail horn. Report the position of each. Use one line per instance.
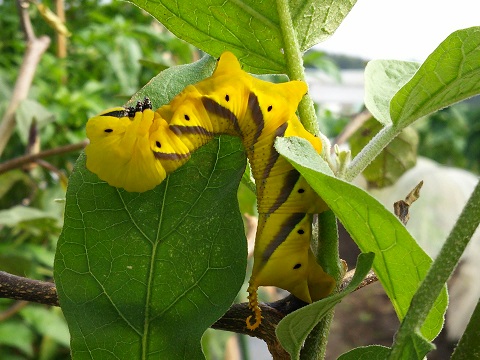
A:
(253, 305)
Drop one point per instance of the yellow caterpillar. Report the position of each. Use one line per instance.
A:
(136, 148)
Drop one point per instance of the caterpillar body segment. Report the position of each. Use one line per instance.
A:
(144, 146)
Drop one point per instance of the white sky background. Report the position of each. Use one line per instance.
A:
(400, 29)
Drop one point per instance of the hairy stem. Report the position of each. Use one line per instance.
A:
(295, 70)
(328, 257)
(439, 273)
(370, 152)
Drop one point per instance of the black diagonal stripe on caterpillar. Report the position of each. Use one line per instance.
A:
(142, 146)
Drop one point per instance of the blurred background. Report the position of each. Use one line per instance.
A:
(114, 48)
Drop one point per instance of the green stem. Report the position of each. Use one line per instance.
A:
(370, 152)
(469, 347)
(328, 257)
(439, 273)
(295, 70)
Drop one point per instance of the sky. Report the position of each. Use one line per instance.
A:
(400, 29)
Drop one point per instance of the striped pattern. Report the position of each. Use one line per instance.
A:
(235, 103)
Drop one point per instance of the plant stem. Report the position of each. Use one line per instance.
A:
(295, 71)
(439, 273)
(316, 343)
(328, 257)
(371, 151)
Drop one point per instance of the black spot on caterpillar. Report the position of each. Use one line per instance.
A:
(282, 255)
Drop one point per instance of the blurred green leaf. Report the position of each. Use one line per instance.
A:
(47, 322)
(9, 179)
(320, 61)
(126, 63)
(13, 261)
(17, 335)
(22, 214)
(248, 28)
(295, 327)
(396, 158)
(28, 111)
(400, 263)
(214, 343)
(44, 256)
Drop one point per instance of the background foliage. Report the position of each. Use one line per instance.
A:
(120, 50)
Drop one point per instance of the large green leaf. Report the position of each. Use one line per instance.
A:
(383, 78)
(144, 275)
(295, 327)
(157, 268)
(450, 74)
(400, 263)
(248, 28)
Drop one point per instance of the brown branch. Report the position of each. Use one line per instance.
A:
(25, 23)
(35, 49)
(20, 288)
(26, 159)
(61, 37)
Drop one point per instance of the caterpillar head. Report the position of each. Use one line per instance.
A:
(119, 151)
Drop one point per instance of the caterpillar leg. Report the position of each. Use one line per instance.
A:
(253, 305)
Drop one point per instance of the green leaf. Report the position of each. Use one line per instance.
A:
(248, 28)
(166, 85)
(17, 335)
(125, 63)
(450, 74)
(316, 21)
(28, 111)
(400, 263)
(383, 78)
(295, 327)
(396, 158)
(47, 322)
(469, 347)
(23, 215)
(144, 275)
(372, 352)
(8, 181)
